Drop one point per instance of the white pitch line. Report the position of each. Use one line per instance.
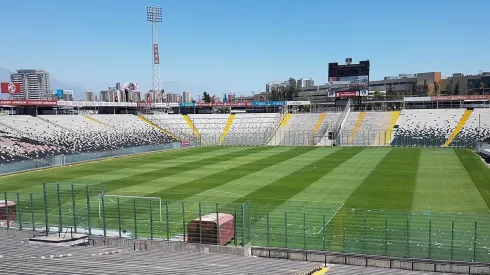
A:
(331, 218)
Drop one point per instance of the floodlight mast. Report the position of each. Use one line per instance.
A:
(154, 15)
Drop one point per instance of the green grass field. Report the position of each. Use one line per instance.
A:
(407, 202)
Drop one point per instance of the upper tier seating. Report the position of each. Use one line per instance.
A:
(430, 127)
(477, 128)
(210, 126)
(252, 129)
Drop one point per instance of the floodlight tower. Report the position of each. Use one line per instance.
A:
(154, 15)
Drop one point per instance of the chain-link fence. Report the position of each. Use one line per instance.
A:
(71, 207)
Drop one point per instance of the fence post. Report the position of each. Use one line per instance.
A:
(183, 219)
(151, 219)
(249, 226)
(474, 242)
(31, 202)
(267, 229)
(343, 234)
(119, 217)
(234, 225)
(6, 210)
(60, 214)
(88, 210)
(364, 233)
(324, 233)
(166, 221)
(304, 230)
(407, 248)
(19, 211)
(73, 207)
(430, 239)
(200, 223)
(386, 236)
(135, 220)
(218, 240)
(104, 224)
(46, 219)
(243, 224)
(452, 240)
(286, 227)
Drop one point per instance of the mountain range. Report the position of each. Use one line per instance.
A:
(168, 86)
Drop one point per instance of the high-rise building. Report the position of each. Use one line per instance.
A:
(68, 95)
(305, 82)
(34, 84)
(89, 96)
(104, 96)
(172, 98)
(186, 96)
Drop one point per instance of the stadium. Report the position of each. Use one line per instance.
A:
(406, 187)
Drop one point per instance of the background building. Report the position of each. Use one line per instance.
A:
(305, 82)
(186, 96)
(34, 84)
(89, 96)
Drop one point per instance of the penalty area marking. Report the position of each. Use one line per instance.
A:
(331, 218)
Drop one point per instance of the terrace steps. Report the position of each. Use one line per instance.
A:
(458, 128)
(96, 121)
(319, 123)
(227, 128)
(194, 129)
(394, 119)
(284, 122)
(358, 124)
(158, 127)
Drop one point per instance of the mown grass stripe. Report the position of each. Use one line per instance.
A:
(281, 190)
(36, 178)
(390, 185)
(478, 172)
(194, 187)
(169, 171)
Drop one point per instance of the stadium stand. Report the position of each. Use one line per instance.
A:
(21, 257)
(27, 137)
(477, 128)
(174, 124)
(425, 128)
(299, 129)
(350, 270)
(251, 129)
(366, 128)
(210, 126)
(328, 125)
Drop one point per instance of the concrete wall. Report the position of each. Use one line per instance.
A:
(143, 244)
(373, 261)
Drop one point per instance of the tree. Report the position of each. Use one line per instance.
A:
(482, 87)
(377, 95)
(290, 91)
(205, 97)
(436, 87)
(425, 87)
(456, 88)
(389, 90)
(470, 88)
(449, 86)
(414, 87)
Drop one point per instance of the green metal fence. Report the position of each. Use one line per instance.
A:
(64, 207)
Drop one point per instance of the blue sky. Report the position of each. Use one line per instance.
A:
(240, 45)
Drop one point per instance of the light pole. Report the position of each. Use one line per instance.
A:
(154, 15)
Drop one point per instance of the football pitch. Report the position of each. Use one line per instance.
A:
(405, 202)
